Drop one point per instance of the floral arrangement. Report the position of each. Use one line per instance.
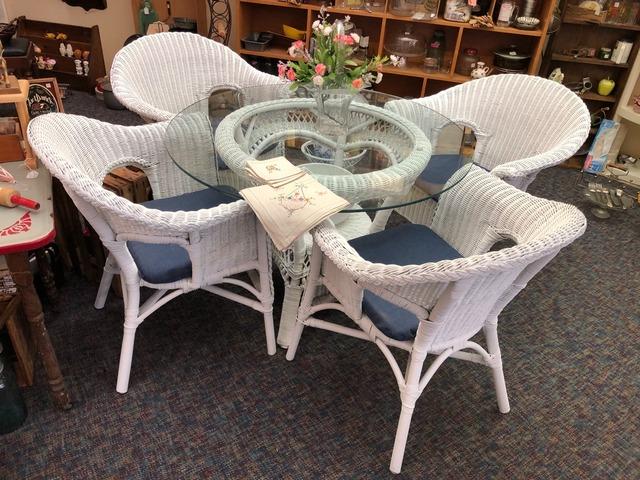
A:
(330, 64)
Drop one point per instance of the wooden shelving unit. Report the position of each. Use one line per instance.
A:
(576, 33)
(410, 81)
(82, 38)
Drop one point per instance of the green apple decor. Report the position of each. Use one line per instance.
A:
(605, 86)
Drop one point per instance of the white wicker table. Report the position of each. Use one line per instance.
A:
(356, 145)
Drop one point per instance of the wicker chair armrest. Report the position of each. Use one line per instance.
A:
(127, 218)
(531, 165)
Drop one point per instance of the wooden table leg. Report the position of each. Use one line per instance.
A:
(18, 264)
(48, 279)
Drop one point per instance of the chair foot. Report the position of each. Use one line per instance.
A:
(270, 333)
(295, 340)
(126, 357)
(402, 433)
(501, 390)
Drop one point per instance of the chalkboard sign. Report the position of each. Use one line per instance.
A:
(44, 97)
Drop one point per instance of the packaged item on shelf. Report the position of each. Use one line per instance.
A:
(457, 11)
(507, 13)
(634, 13)
(621, 51)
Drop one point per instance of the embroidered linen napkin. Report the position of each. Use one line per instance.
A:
(275, 172)
(292, 209)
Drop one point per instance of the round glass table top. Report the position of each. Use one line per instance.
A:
(375, 150)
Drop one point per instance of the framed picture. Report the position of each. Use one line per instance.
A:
(44, 97)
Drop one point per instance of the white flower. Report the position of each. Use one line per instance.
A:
(293, 51)
(356, 38)
(326, 31)
(317, 80)
(347, 18)
(316, 25)
(379, 77)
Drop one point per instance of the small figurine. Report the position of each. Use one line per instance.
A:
(50, 63)
(50, 35)
(85, 64)
(61, 36)
(36, 49)
(480, 71)
(77, 54)
(557, 75)
(85, 55)
(69, 50)
(78, 64)
(4, 73)
(146, 16)
(63, 50)
(40, 62)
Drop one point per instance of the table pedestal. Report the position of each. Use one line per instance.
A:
(18, 264)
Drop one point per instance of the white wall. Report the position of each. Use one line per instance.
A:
(115, 22)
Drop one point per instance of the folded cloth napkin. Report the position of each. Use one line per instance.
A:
(291, 210)
(275, 172)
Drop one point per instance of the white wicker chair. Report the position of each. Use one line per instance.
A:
(430, 290)
(183, 240)
(522, 123)
(159, 75)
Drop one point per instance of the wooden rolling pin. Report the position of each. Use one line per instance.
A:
(11, 198)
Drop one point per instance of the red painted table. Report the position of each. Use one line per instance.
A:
(22, 230)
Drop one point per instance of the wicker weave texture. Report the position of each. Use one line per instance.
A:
(159, 75)
(522, 123)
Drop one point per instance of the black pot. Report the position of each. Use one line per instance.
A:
(511, 58)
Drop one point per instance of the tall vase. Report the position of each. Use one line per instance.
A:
(334, 117)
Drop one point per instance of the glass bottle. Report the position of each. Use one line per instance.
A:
(467, 61)
(435, 52)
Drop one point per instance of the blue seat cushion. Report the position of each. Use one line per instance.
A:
(441, 167)
(406, 244)
(167, 263)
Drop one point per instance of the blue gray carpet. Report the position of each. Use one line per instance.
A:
(205, 400)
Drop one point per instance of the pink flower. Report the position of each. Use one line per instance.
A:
(321, 69)
(282, 69)
(357, 83)
(344, 39)
(298, 44)
(291, 75)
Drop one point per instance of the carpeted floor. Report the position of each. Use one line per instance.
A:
(205, 400)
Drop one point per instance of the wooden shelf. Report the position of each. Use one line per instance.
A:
(627, 112)
(271, 52)
(349, 11)
(415, 71)
(441, 22)
(590, 61)
(413, 80)
(619, 26)
(81, 38)
(598, 98)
